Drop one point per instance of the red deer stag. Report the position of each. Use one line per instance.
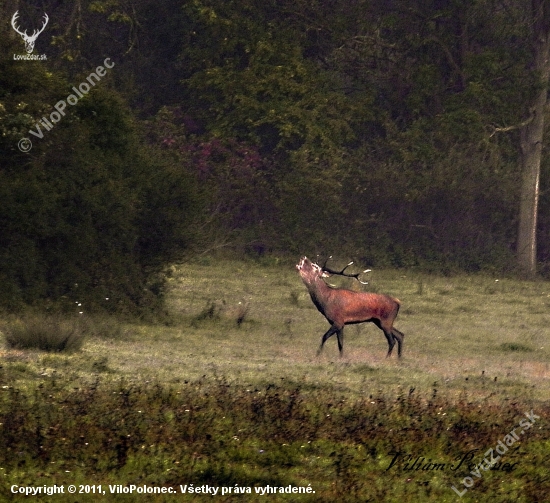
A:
(344, 307)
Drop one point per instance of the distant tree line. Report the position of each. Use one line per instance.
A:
(396, 133)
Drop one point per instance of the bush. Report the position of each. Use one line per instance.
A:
(45, 332)
(90, 223)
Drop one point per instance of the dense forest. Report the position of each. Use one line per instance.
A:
(397, 133)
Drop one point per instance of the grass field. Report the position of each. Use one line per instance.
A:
(230, 393)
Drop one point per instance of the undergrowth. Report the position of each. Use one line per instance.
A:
(225, 435)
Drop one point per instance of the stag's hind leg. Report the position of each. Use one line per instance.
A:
(398, 336)
(391, 341)
(388, 332)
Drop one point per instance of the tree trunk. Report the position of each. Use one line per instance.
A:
(531, 136)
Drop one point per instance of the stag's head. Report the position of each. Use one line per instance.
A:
(29, 39)
(310, 271)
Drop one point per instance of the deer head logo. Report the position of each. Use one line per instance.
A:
(29, 39)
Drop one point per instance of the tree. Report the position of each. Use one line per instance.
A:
(531, 136)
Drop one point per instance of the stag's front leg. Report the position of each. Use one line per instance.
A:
(340, 337)
(331, 331)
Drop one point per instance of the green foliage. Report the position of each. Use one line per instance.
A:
(255, 85)
(89, 215)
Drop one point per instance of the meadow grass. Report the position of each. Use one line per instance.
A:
(229, 390)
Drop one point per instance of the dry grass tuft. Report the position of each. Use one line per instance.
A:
(44, 332)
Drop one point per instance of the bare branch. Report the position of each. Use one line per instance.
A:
(512, 128)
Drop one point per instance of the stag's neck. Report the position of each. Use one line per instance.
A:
(319, 292)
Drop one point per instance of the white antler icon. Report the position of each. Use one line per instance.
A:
(29, 40)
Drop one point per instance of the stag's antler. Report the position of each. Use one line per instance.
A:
(29, 40)
(324, 268)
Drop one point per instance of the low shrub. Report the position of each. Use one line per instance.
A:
(45, 332)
